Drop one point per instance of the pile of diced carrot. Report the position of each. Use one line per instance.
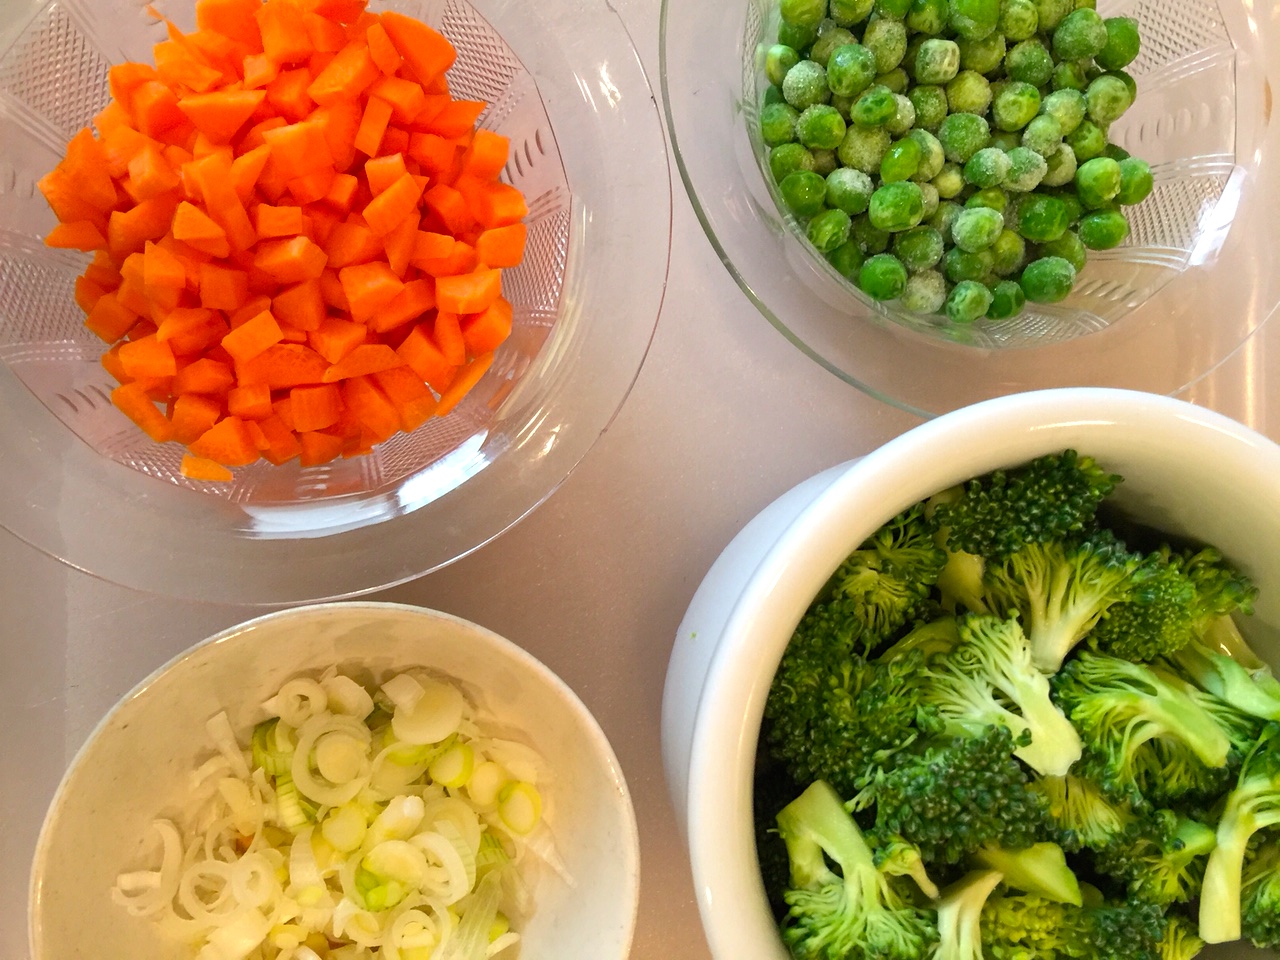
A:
(298, 233)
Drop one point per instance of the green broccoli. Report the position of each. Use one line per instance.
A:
(1180, 940)
(1081, 815)
(989, 679)
(1134, 722)
(1253, 805)
(1260, 890)
(930, 637)
(1168, 773)
(960, 916)
(1040, 869)
(771, 791)
(1160, 858)
(1025, 927)
(851, 914)
(1231, 671)
(896, 857)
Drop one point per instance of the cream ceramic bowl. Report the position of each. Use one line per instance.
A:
(136, 762)
(1187, 470)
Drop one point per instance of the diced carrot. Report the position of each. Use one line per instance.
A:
(298, 148)
(417, 297)
(110, 319)
(284, 32)
(218, 115)
(320, 221)
(259, 70)
(331, 290)
(312, 186)
(234, 19)
(255, 136)
(191, 225)
(119, 146)
(287, 93)
(485, 331)
(200, 468)
(434, 153)
(461, 259)
(457, 118)
(251, 338)
(150, 174)
(205, 376)
(382, 172)
(129, 230)
(364, 359)
(486, 156)
(191, 330)
(318, 448)
(271, 221)
(325, 35)
(399, 245)
(498, 204)
(469, 292)
(449, 208)
(228, 442)
(395, 140)
(148, 357)
(413, 400)
(132, 400)
(88, 293)
(315, 408)
(369, 287)
(342, 193)
(110, 118)
(352, 243)
(77, 235)
(283, 408)
(377, 414)
(222, 288)
(446, 331)
(290, 261)
(346, 76)
(420, 352)
(333, 339)
(386, 211)
(222, 202)
(124, 78)
(502, 246)
(405, 96)
(341, 11)
(430, 246)
(339, 121)
(248, 310)
(382, 50)
(155, 110)
(301, 306)
(283, 366)
(282, 445)
(426, 53)
(192, 415)
(467, 378)
(177, 66)
(251, 402)
(162, 268)
(245, 170)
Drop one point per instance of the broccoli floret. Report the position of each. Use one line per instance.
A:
(1041, 502)
(1080, 814)
(1253, 805)
(952, 794)
(1160, 858)
(930, 637)
(1025, 927)
(850, 914)
(1180, 940)
(896, 857)
(960, 916)
(1221, 589)
(1040, 869)
(989, 679)
(1062, 588)
(1231, 671)
(1260, 890)
(772, 791)
(1134, 723)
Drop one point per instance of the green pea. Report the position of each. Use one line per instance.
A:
(1069, 76)
(777, 61)
(829, 229)
(1082, 35)
(1048, 280)
(1108, 98)
(1075, 209)
(874, 108)
(937, 61)
(896, 207)
(1009, 253)
(847, 259)
(1043, 135)
(904, 117)
(949, 182)
(863, 148)
(824, 161)
(821, 127)
(1068, 107)
(846, 13)
(1069, 247)
(804, 192)
(1030, 62)
(896, 9)
(928, 16)
(1015, 106)
(988, 167)
(805, 13)
(1123, 44)
(959, 265)
(797, 37)
(1087, 141)
(850, 69)
(778, 124)
(1042, 218)
(983, 56)
(1007, 301)
(869, 238)
(827, 43)
(1060, 167)
(883, 277)
(1027, 170)
(789, 158)
(1006, 140)
(931, 106)
(992, 198)
(1104, 229)
(1098, 182)
(806, 84)
(920, 248)
(977, 229)
(975, 19)
(901, 162)
(925, 292)
(1116, 152)
(944, 218)
(1019, 20)
(1052, 13)
(772, 94)
(849, 190)
(887, 39)
(1136, 181)
(896, 80)
(969, 301)
(931, 199)
(932, 156)
(969, 92)
(962, 135)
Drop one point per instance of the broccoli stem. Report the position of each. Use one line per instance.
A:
(959, 916)
(815, 822)
(1040, 870)
(1220, 893)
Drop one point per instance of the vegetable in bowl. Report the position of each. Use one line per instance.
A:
(1023, 726)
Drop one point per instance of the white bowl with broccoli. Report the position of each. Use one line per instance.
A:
(1031, 713)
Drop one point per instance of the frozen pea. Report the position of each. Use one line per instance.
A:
(896, 207)
(883, 277)
(1007, 301)
(1019, 20)
(1098, 182)
(959, 265)
(848, 12)
(870, 239)
(962, 135)
(969, 92)
(1068, 107)
(874, 108)
(805, 13)
(1060, 167)
(925, 292)
(983, 56)
(864, 148)
(1027, 170)
(920, 248)
(993, 198)
(901, 162)
(1009, 254)
(804, 192)
(932, 156)
(969, 301)
(1043, 135)
(849, 190)
(847, 259)
(824, 161)
(842, 104)
(788, 158)
(1069, 76)
(1030, 62)
(806, 84)
(1087, 141)
(1136, 181)
(931, 106)
(1108, 98)
(820, 127)
(977, 228)
(904, 117)
(988, 167)
(1015, 106)
(1075, 209)
(777, 61)
(897, 9)
(937, 61)
(1116, 152)
(1006, 140)
(828, 41)
(949, 182)
(1052, 13)
(1048, 280)
(896, 80)
(974, 19)
(772, 94)
(928, 16)
(887, 39)
(1123, 44)
(1081, 35)
(797, 37)
(778, 123)
(1104, 229)
(829, 229)
(1042, 218)
(1069, 247)
(850, 69)
(931, 199)
(943, 219)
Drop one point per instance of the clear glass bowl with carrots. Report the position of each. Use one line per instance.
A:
(279, 275)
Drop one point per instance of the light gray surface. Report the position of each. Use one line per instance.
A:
(725, 416)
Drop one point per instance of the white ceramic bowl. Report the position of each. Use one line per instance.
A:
(136, 764)
(1187, 470)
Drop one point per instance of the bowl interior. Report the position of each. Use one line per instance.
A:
(135, 765)
(1224, 495)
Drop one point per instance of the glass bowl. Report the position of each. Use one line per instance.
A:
(86, 486)
(1185, 291)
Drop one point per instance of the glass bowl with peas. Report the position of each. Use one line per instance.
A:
(1069, 177)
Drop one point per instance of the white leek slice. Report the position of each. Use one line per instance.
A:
(498, 944)
(486, 783)
(436, 715)
(403, 691)
(471, 939)
(347, 697)
(441, 851)
(237, 939)
(224, 739)
(398, 820)
(298, 701)
(397, 860)
(312, 787)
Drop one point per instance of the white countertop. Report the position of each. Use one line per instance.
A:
(725, 416)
